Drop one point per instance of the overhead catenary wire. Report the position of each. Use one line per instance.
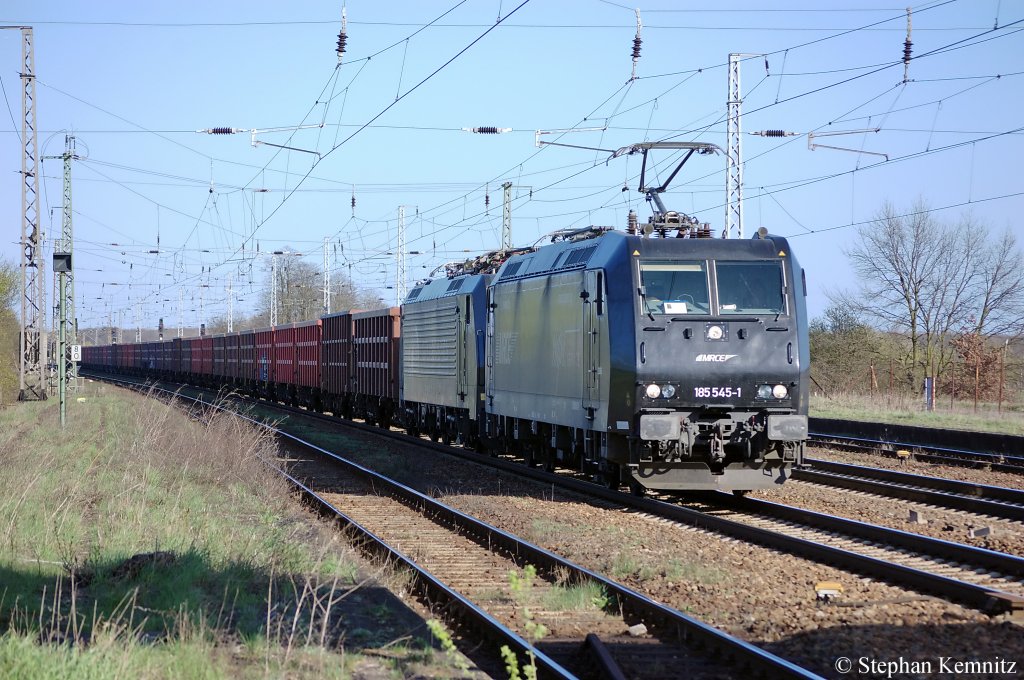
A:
(293, 188)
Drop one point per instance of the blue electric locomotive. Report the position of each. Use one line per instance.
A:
(663, 363)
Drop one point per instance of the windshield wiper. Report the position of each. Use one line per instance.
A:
(643, 299)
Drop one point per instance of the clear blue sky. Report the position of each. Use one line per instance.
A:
(133, 81)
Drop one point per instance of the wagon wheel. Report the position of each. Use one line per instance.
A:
(610, 476)
(637, 489)
(549, 459)
(531, 454)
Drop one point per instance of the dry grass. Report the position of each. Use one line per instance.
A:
(905, 409)
(141, 543)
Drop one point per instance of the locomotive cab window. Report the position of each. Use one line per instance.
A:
(674, 288)
(751, 287)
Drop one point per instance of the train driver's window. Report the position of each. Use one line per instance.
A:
(751, 287)
(674, 288)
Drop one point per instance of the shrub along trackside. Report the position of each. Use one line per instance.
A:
(141, 543)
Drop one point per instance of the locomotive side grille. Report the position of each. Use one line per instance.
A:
(511, 270)
(579, 256)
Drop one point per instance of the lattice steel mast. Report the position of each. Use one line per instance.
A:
(734, 162)
(400, 287)
(32, 374)
(64, 291)
(506, 217)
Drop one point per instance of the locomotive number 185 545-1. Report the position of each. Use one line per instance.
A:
(717, 392)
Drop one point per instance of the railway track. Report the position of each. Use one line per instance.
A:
(461, 566)
(980, 499)
(929, 454)
(989, 581)
(986, 580)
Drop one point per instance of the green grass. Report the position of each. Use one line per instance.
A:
(907, 410)
(578, 597)
(139, 543)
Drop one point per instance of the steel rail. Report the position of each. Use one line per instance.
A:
(666, 622)
(426, 583)
(978, 597)
(996, 501)
(927, 453)
(990, 601)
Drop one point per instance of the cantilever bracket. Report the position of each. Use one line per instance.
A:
(812, 146)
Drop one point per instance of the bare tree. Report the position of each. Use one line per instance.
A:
(300, 293)
(1001, 289)
(931, 281)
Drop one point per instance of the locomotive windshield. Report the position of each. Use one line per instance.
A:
(750, 287)
(674, 287)
(743, 286)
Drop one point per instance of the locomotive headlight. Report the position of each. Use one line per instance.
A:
(780, 392)
(715, 332)
(764, 391)
(668, 391)
(653, 391)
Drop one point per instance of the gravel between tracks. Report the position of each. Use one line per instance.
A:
(758, 594)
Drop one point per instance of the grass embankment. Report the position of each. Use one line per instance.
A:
(905, 410)
(139, 543)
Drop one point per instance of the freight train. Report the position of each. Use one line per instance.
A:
(655, 357)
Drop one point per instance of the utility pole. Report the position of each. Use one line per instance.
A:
(327, 273)
(273, 289)
(400, 256)
(231, 305)
(64, 285)
(32, 373)
(506, 220)
(734, 151)
(62, 267)
(181, 295)
(67, 297)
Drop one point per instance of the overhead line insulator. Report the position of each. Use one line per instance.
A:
(907, 49)
(342, 35)
(637, 42)
(342, 41)
(774, 133)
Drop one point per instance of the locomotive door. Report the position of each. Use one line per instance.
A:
(593, 310)
(461, 331)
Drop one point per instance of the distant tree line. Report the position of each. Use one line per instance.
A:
(300, 297)
(933, 300)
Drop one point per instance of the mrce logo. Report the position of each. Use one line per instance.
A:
(714, 358)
